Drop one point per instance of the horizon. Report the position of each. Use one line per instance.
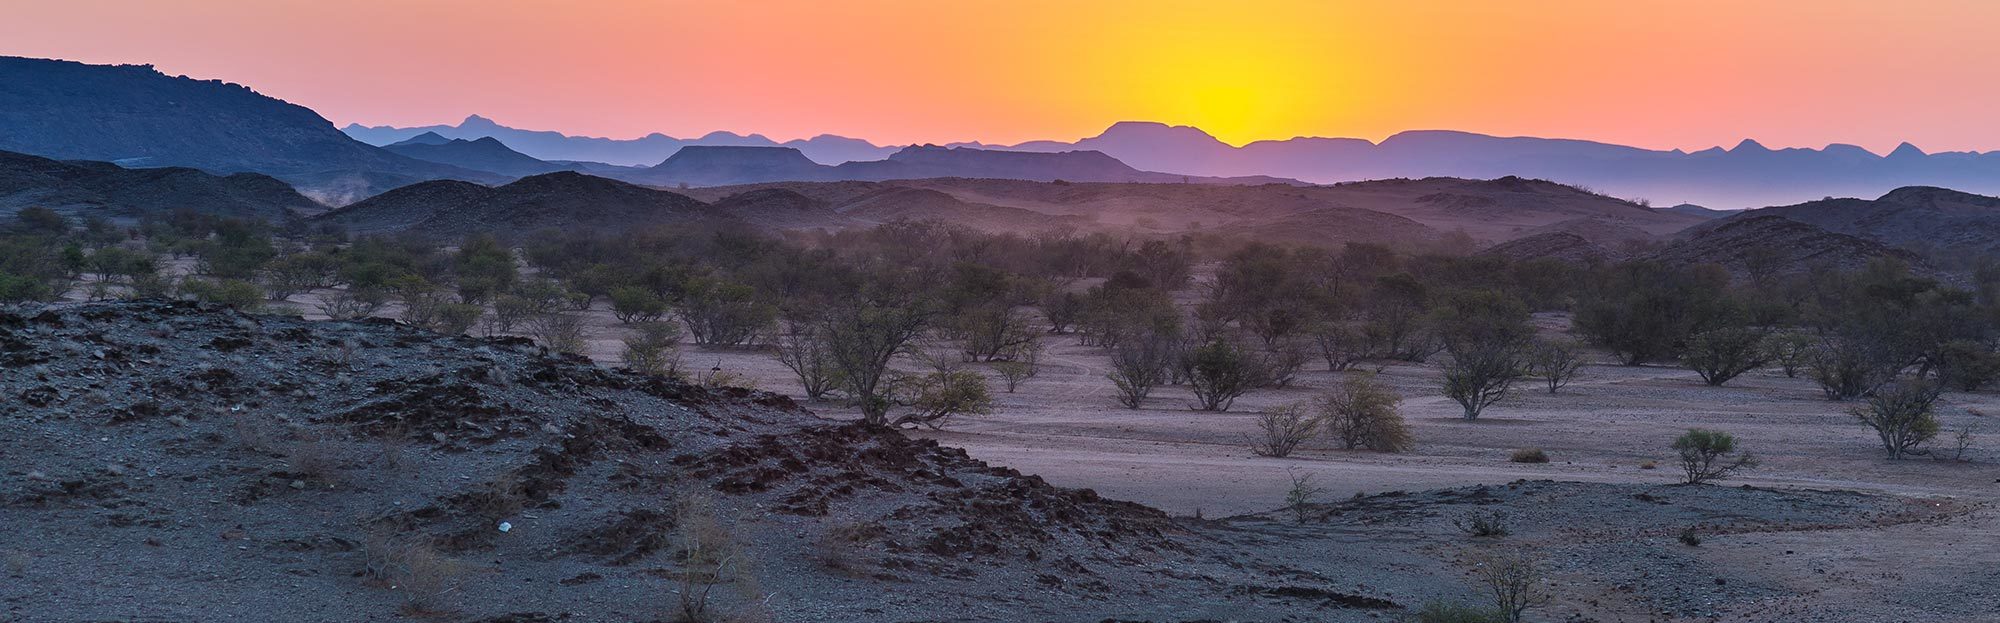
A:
(1786, 74)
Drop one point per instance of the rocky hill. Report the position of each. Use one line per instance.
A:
(483, 154)
(107, 190)
(448, 210)
(642, 151)
(1774, 245)
(174, 462)
(1920, 218)
(136, 116)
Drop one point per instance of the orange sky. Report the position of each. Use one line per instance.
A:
(1685, 73)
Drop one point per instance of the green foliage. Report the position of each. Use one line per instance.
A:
(236, 293)
(1363, 414)
(1704, 455)
(1219, 372)
(635, 304)
(1448, 612)
(1722, 354)
(936, 396)
(1902, 415)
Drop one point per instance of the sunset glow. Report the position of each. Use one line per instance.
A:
(1687, 74)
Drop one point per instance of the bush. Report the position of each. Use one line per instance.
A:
(1478, 376)
(1363, 414)
(1689, 537)
(1789, 351)
(1515, 582)
(933, 397)
(1901, 414)
(559, 331)
(1722, 354)
(803, 351)
(1220, 372)
(1703, 452)
(1300, 497)
(352, 304)
(1137, 365)
(1967, 365)
(1555, 362)
(1847, 368)
(1529, 455)
(652, 349)
(1482, 523)
(635, 304)
(1282, 428)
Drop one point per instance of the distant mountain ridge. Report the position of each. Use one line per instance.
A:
(1747, 175)
(706, 165)
(1743, 176)
(482, 154)
(1922, 218)
(136, 116)
(646, 150)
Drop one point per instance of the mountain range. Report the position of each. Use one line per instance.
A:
(1743, 176)
(645, 150)
(105, 190)
(136, 116)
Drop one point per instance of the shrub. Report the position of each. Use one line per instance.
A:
(1529, 455)
(1018, 371)
(1689, 537)
(635, 304)
(1789, 351)
(1515, 582)
(1967, 365)
(1704, 453)
(1281, 429)
(1482, 523)
(1301, 495)
(1901, 414)
(1341, 345)
(651, 350)
(352, 304)
(415, 567)
(455, 318)
(1847, 368)
(1220, 372)
(1363, 414)
(1479, 376)
(1137, 365)
(938, 395)
(803, 351)
(1555, 362)
(1722, 354)
(559, 331)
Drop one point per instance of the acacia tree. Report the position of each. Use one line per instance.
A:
(1282, 428)
(1722, 354)
(1556, 362)
(1901, 414)
(937, 395)
(1219, 372)
(801, 350)
(1138, 365)
(861, 336)
(1703, 453)
(1486, 334)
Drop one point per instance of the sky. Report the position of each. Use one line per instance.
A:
(1659, 74)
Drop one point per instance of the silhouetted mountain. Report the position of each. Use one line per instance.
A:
(1747, 175)
(857, 204)
(1762, 244)
(645, 150)
(1919, 218)
(107, 190)
(135, 116)
(703, 165)
(719, 166)
(484, 154)
(569, 201)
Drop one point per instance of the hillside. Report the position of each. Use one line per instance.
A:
(484, 154)
(107, 190)
(1919, 218)
(570, 201)
(1562, 246)
(1774, 245)
(136, 116)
